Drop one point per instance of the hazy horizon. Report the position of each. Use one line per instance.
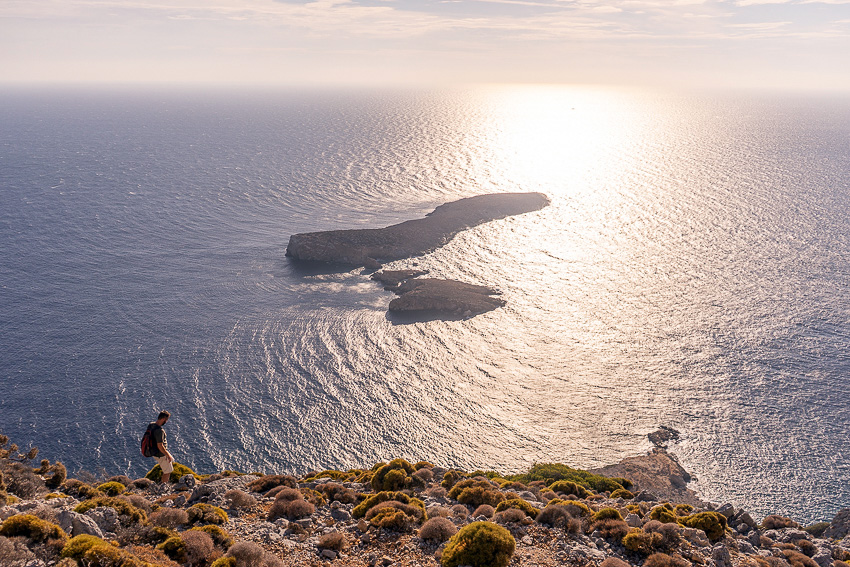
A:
(764, 44)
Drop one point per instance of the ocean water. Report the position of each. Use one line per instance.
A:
(692, 271)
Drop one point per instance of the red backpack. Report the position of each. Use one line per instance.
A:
(148, 442)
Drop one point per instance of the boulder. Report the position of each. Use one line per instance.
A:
(840, 525)
(75, 524)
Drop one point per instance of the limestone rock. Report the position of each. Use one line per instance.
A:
(362, 247)
(75, 524)
(106, 518)
(840, 525)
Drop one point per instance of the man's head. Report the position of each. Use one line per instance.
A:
(163, 417)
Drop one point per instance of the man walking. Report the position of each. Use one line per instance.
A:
(163, 457)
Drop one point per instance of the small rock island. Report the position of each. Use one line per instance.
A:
(436, 295)
(372, 246)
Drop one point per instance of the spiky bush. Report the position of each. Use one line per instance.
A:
(670, 534)
(640, 541)
(314, 497)
(551, 472)
(239, 499)
(683, 509)
(664, 513)
(32, 527)
(484, 510)
(395, 515)
(247, 554)
(394, 475)
(510, 516)
(607, 514)
(285, 493)
(106, 555)
(480, 544)
(334, 540)
(664, 560)
(337, 492)
(220, 537)
(22, 481)
(575, 508)
(361, 509)
(112, 488)
(558, 516)
(197, 547)
(169, 518)
(452, 477)
(174, 548)
(129, 513)
(202, 513)
(569, 487)
(266, 483)
(81, 489)
(613, 562)
(519, 504)
(77, 546)
(475, 492)
(290, 509)
(155, 474)
(776, 522)
(437, 530)
(622, 493)
(56, 475)
(611, 528)
(712, 523)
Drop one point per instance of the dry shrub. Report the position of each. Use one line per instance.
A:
(21, 481)
(142, 483)
(670, 534)
(839, 563)
(765, 542)
(15, 552)
(153, 556)
(248, 554)
(169, 518)
(612, 529)
(439, 512)
(559, 516)
(460, 511)
(139, 502)
(285, 493)
(797, 559)
(424, 475)
(664, 560)
(768, 561)
(484, 510)
(437, 530)
(122, 478)
(436, 492)
(290, 509)
(510, 516)
(335, 491)
(807, 547)
(266, 483)
(614, 562)
(776, 522)
(198, 546)
(334, 540)
(239, 499)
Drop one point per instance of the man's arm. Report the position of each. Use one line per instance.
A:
(163, 450)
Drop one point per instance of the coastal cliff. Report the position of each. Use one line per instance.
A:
(394, 514)
(371, 247)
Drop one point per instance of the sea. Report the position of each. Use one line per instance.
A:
(692, 272)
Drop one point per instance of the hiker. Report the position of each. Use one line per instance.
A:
(163, 457)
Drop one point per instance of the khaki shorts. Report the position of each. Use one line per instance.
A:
(166, 466)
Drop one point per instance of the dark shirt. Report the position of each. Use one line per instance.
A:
(159, 437)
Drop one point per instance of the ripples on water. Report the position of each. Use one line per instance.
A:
(691, 271)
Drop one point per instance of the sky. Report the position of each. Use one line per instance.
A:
(788, 44)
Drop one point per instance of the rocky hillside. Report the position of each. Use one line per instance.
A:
(395, 513)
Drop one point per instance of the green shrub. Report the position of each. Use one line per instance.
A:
(80, 489)
(333, 474)
(664, 513)
(480, 544)
(123, 507)
(394, 515)
(451, 478)
(551, 472)
(202, 513)
(219, 536)
(622, 493)
(569, 487)
(77, 546)
(155, 474)
(394, 475)
(112, 488)
(31, 527)
(361, 509)
(224, 562)
(519, 504)
(174, 548)
(106, 555)
(55, 495)
(314, 497)
(712, 523)
(574, 507)
(817, 528)
(607, 514)
(640, 541)
(422, 465)
(475, 492)
(624, 482)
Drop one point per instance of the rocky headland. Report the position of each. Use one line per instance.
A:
(393, 514)
(372, 247)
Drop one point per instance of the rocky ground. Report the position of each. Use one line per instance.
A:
(319, 519)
